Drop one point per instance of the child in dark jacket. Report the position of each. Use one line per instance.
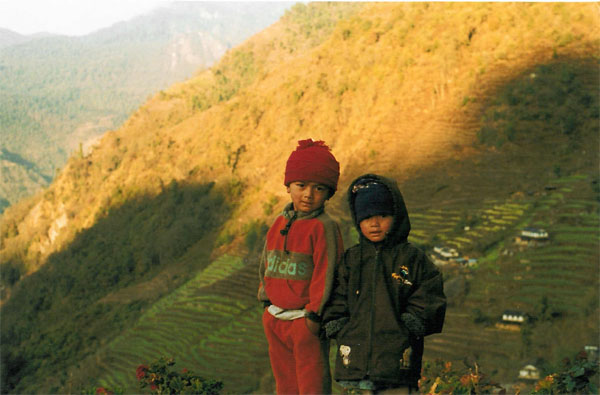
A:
(297, 270)
(387, 295)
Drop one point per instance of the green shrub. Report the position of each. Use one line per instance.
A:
(162, 378)
(480, 317)
(574, 378)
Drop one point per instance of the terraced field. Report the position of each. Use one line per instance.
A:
(464, 230)
(568, 267)
(478, 344)
(560, 278)
(211, 326)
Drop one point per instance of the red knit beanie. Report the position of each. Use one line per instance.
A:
(312, 161)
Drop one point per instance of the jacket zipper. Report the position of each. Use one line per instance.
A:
(372, 315)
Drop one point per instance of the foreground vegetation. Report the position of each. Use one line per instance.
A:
(576, 376)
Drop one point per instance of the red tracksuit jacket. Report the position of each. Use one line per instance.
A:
(299, 259)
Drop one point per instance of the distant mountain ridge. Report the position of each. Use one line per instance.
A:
(9, 38)
(58, 92)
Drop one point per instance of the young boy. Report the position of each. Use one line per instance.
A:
(387, 296)
(297, 269)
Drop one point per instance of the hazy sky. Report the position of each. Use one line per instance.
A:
(70, 17)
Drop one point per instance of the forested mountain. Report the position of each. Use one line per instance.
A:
(20, 177)
(59, 94)
(146, 245)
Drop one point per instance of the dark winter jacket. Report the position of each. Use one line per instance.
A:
(386, 297)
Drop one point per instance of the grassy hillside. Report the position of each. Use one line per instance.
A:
(220, 344)
(474, 119)
(557, 284)
(59, 94)
(126, 253)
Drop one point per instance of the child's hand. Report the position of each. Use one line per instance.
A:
(313, 327)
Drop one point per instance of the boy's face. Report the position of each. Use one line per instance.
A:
(376, 228)
(308, 196)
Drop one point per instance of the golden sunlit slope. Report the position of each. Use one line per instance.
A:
(392, 88)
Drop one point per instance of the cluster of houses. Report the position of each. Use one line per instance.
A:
(446, 255)
(528, 237)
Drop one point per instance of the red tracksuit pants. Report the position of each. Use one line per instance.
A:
(299, 359)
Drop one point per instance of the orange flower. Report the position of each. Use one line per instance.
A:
(469, 380)
(466, 380)
(448, 366)
(545, 384)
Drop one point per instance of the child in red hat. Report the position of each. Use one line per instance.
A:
(297, 268)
